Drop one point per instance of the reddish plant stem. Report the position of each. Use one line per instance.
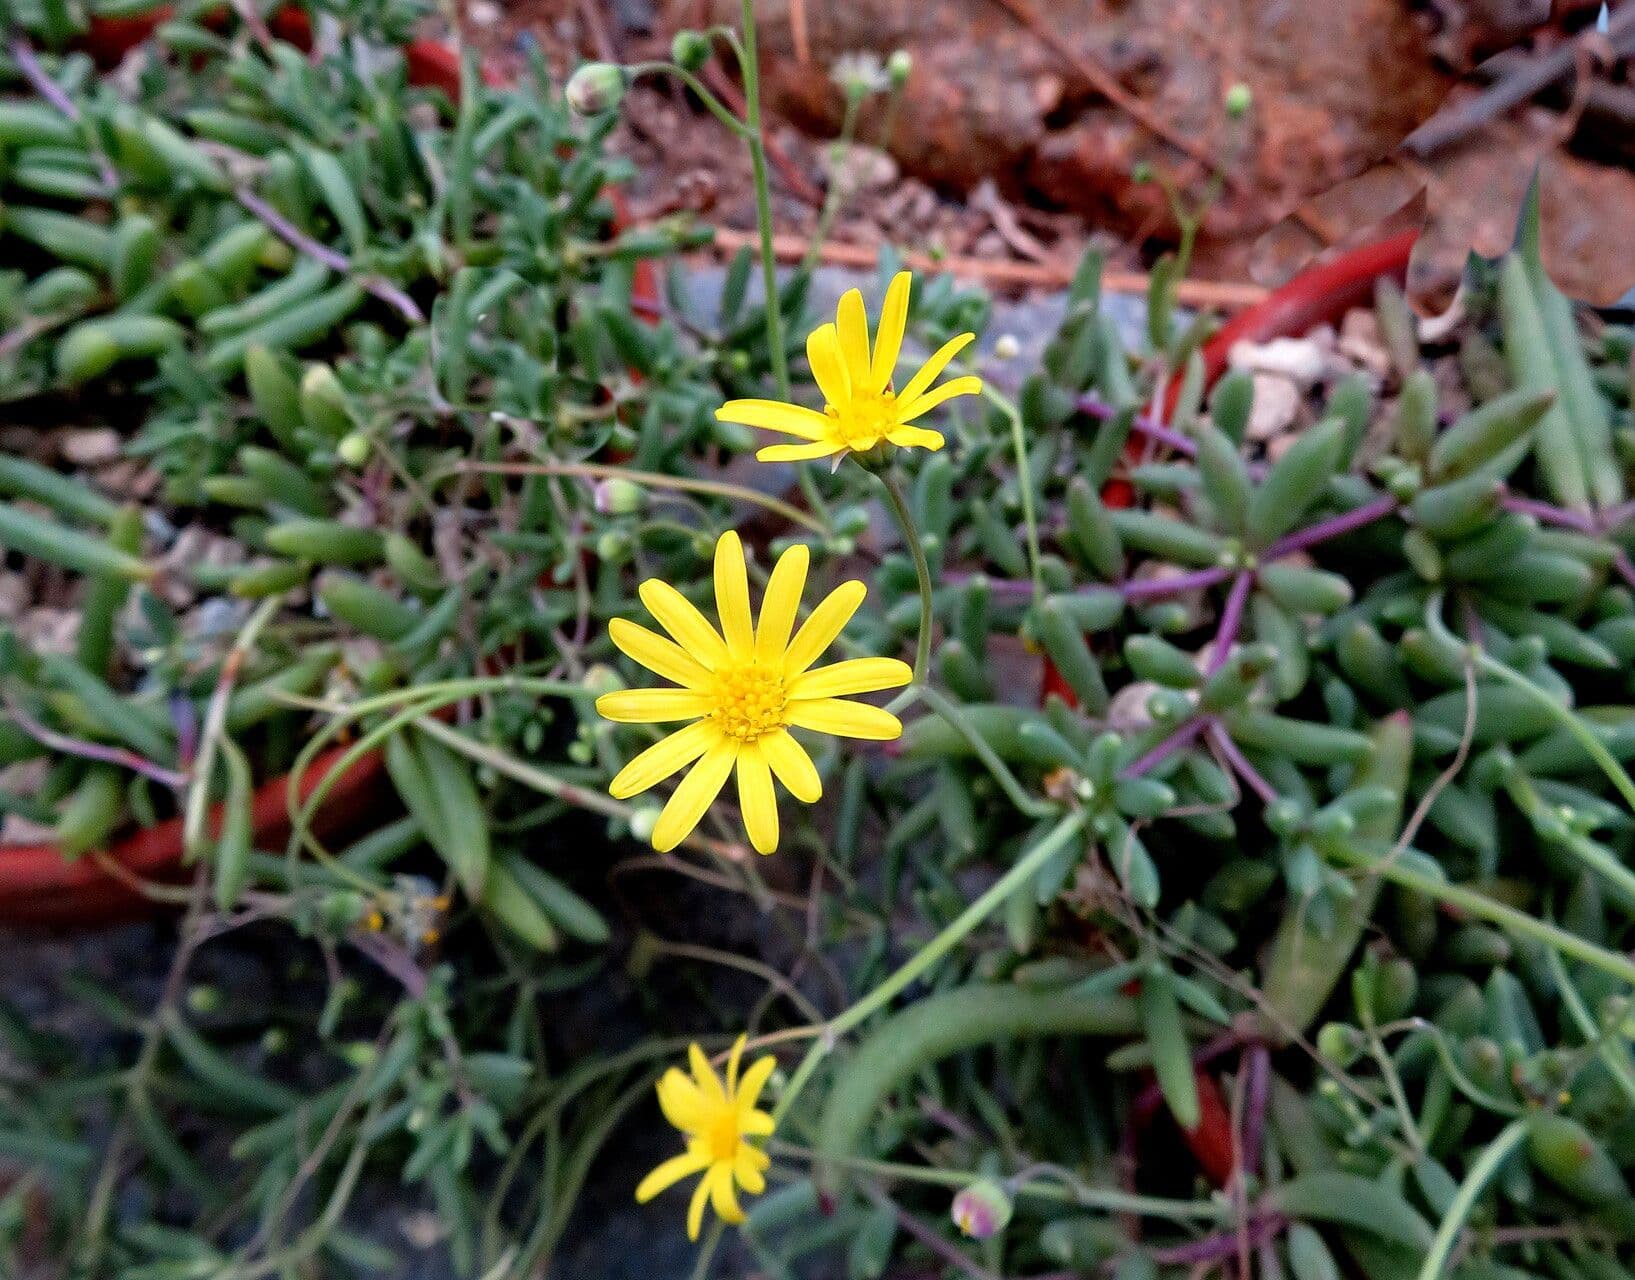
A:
(1545, 513)
(1240, 764)
(1257, 1067)
(93, 750)
(1231, 622)
(1333, 527)
(1168, 747)
(1222, 1245)
(287, 231)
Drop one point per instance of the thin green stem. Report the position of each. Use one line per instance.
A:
(928, 956)
(1481, 1173)
(832, 198)
(763, 199)
(1490, 909)
(1073, 1192)
(922, 571)
(706, 1251)
(1024, 480)
(1032, 806)
(714, 105)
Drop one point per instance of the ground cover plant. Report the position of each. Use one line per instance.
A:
(1165, 841)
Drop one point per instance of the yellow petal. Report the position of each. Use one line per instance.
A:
(723, 1195)
(663, 758)
(732, 597)
(748, 1171)
(797, 452)
(916, 438)
(852, 328)
(826, 622)
(653, 706)
(682, 1101)
(828, 367)
(932, 369)
(966, 386)
(888, 338)
(660, 656)
(749, 1089)
(695, 1210)
(709, 1084)
(792, 766)
(756, 1124)
(846, 719)
(775, 415)
(756, 799)
(696, 792)
(733, 1059)
(669, 1173)
(780, 604)
(855, 675)
(681, 618)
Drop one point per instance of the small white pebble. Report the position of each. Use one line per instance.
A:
(1277, 401)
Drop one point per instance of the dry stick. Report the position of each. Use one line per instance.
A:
(1512, 90)
(292, 235)
(1191, 293)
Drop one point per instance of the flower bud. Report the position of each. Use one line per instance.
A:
(689, 50)
(203, 998)
(982, 1209)
(1340, 1044)
(643, 820)
(353, 449)
(899, 67)
(601, 679)
(618, 497)
(1006, 347)
(595, 88)
(1239, 99)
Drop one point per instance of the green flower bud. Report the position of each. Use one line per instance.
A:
(1340, 1043)
(203, 998)
(618, 497)
(601, 679)
(689, 50)
(643, 820)
(275, 1040)
(595, 88)
(353, 449)
(359, 1054)
(899, 67)
(1239, 98)
(982, 1209)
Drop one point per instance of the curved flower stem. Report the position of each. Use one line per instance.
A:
(922, 571)
(1487, 1164)
(1030, 518)
(836, 194)
(1032, 806)
(927, 956)
(1492, 910)
(1071, 1191)
(751, 62)
(712, 104)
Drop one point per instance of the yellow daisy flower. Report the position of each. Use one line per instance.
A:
(861, 409)
(744, 687)
(718, 1120)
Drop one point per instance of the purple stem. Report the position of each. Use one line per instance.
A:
(1612, 517)
(28, 63)
(93, 750)
(1622, 563)
(1101, 411)
(1333, 527)
(1240, 764)
(286, 230)
(1222, 1245)
(1257, 1066)
(1544, 513)
(1168, 747)
(1158, 588)
(1231, 621)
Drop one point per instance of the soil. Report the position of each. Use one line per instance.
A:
(1001, 147)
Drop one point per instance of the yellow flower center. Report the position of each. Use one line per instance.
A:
(722, 1135)
(750, 701)
(865, 419)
